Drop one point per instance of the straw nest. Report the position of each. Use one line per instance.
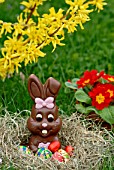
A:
(90, 146)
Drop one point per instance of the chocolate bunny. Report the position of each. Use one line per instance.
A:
(43, 123)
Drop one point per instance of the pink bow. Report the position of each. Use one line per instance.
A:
(43, 145)
(44, 103)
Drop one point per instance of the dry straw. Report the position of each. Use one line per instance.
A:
(90, 146)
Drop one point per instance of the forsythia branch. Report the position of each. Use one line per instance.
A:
(27, 37)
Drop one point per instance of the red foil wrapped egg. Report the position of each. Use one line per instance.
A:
(54, 146)
(69, 149)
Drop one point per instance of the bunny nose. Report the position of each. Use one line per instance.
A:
(44, 124)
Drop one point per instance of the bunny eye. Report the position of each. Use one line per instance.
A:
(50, 118)
(39, 117)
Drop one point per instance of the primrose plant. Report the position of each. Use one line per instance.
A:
(94, 92)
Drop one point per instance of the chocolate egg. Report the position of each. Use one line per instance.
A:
(69, 149)
(44, 153)
(64, 154)
(24, 149)
(54, 146)
(57, 156)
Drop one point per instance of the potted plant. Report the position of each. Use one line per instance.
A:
(94, 93)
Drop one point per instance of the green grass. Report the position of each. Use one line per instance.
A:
(91, 48)
(5, 168)
(108, 164)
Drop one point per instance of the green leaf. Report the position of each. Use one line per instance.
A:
(86, 110)
(71, 85)
(80, 108)
(81, 96)
(107, 114)
(75, 80)
(103, 81)
(90, 109)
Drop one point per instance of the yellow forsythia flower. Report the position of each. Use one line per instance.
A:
(28, 36)
(1, 1)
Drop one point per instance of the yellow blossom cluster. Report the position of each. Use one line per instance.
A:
(26, 38)
(1, 1)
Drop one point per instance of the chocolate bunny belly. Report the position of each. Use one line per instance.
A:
(36, 142)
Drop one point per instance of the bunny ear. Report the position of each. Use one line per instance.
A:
(35, 87)
(51, 87)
